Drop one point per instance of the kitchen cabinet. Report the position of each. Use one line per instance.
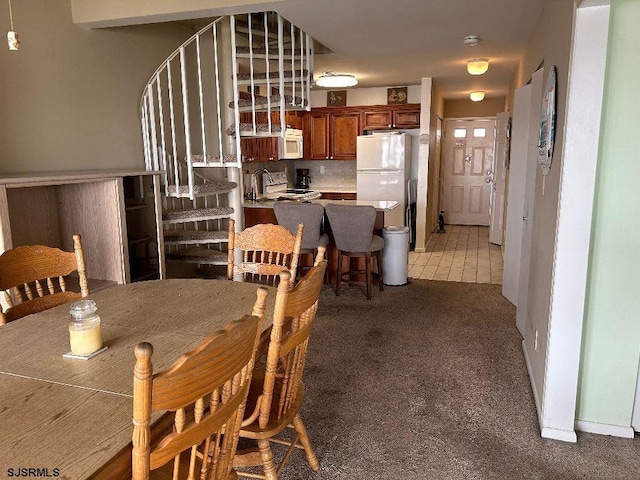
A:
(331, 134)
(255, 215)
(339, 195)
(117, 213)
(385, 118)
(261, 148)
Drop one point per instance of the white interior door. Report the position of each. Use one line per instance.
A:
(532, 168)
(499, 177)
(468, 159)
(522, 171)
(515, 199)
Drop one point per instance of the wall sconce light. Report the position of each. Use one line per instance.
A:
(477, 66)
(476, 96)
(336, 80)
(12, 36)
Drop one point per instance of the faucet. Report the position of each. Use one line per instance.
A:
(254, 181)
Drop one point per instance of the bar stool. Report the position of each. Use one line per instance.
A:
(352, 227)
(290, 214)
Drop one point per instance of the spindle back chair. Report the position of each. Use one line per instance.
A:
(277, 392)
(206, 389)
(267, 250)
(32, 278)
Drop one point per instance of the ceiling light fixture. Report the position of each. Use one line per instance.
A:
(336, 80)
(477, 66)
(12, 36)
(471, 40)
(476, 96)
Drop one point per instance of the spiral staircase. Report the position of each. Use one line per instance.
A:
(235, 78)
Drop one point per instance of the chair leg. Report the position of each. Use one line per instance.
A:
(338, 273)
(304, 440)
(368, 272)
(267, 460)
(380, 273)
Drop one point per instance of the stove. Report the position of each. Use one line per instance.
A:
(275, 187)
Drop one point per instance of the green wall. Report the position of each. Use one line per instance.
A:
(611, 337)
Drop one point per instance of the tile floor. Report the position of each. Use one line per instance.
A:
(462, 254)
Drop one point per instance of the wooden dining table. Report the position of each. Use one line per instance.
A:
(72, 418)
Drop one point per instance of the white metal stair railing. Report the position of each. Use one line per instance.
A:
(185, 134)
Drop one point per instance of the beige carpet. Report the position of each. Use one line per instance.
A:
(428, 381)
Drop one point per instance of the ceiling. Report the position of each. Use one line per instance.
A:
(397, 42)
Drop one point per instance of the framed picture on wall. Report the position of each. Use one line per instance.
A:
(337, 98)
(396, 96)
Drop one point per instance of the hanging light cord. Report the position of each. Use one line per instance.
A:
(10, 15)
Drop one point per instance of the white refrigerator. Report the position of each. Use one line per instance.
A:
(382, 171)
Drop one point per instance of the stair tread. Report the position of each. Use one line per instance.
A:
(262, 130)
(202, 160)
(274, 99)
(176, 235)
(273, 75)
(211, 188)
(199, 255)
(196, 213)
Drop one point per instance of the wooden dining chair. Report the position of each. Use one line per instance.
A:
(29, 274)
(267, 250)
(206, 391)
(277, 392)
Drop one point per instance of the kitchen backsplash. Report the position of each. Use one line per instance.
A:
(330, 174)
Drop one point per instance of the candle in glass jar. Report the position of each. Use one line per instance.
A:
(84, 328)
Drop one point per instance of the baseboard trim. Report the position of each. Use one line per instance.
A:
(605, 429)
(558, 434)
(419, 250)
(533, 382)
(545, 432)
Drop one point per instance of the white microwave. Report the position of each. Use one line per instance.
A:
(290, 146)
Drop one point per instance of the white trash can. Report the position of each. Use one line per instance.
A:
(395, 256)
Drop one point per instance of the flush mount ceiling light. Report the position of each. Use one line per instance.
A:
(477, 66)
(336, 80)
(476, 96)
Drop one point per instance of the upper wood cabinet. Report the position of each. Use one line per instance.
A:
(265, 149)
(331, 134)
(390, 117)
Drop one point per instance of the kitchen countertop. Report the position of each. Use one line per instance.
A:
(335, 189)
(381, 206)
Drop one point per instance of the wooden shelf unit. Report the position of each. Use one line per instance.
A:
(48, 208)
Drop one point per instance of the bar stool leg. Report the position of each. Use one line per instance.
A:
(368, 272)
(380, 273)
(338, 273)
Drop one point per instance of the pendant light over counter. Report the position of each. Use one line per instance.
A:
(12, 36)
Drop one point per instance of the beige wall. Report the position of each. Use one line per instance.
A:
(464, 108)
(70, 95)
(550, 44)
(435, 150)
(117, 12)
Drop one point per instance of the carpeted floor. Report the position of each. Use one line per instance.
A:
(428, 381)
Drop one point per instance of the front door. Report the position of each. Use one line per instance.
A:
(467, 175)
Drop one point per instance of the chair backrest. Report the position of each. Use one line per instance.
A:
(352, 226)
(293, 317)
(292, 214)
(29, 274)
(267, 250)
(207, 389)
